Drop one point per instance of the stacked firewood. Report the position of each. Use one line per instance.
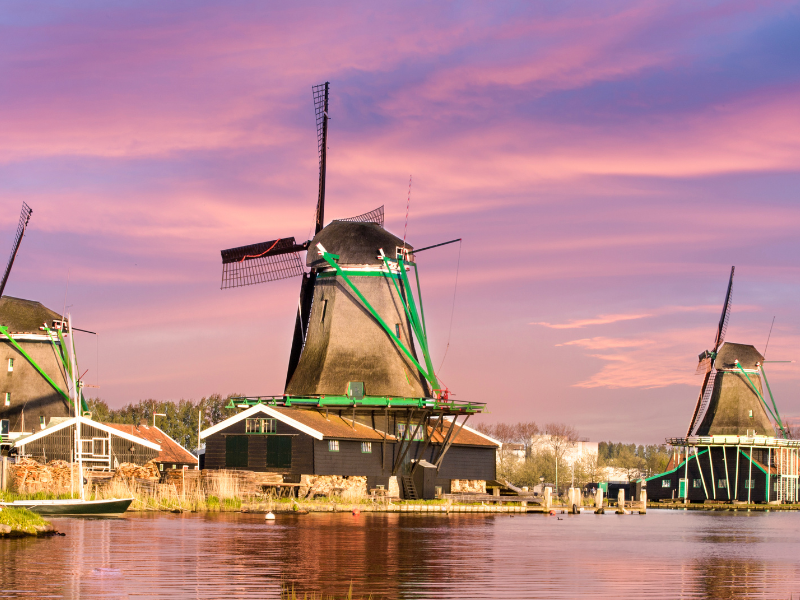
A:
(468, 486)
(132, 471)
(27, 475)
(349, 488)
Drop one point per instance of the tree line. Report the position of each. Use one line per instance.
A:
(545, 450)
(180, 418)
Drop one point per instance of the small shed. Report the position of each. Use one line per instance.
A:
(172, 455)
(101, 447)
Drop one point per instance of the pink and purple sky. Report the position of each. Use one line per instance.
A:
(605, 164)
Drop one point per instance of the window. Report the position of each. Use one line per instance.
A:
(261, 425)
(722, 483)
(160, 466)
(174, 466)
(366, 447)
(8, 398)
(405, 431)
(666, 483)
(397, 329)
(236, 450)
(99, 447)
(355, 389)
(324, 310)
(696, 483)
(41, 422)
(333, 445)
(279, 451)
(750, 415)
(749, 484)
(10, 364)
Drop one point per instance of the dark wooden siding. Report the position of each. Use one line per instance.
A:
(349, 460)
(656, 491)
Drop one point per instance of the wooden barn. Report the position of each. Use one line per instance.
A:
(171, 456)
(736, 448)
(101, 446)
(297, 442)
(35, 380)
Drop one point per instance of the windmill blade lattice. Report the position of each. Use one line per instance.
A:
(24, 217)
(702, 403)
(259, 263)
(373, 216)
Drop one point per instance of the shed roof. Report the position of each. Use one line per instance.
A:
(312, 422)
(25, 316)
(465, 437)
(171, 451)
(62, 424)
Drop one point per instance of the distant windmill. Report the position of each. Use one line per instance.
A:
(24, 217)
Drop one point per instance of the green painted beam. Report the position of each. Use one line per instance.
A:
(755, 389)
(4, 331)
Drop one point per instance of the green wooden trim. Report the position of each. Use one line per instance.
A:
(357, 274)
(4, 331)
(330, 259)
(676, 468)
(755, 462)
(772, 398)
(422, 335)
(764, 402)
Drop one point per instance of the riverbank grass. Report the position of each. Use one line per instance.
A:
(22, 520)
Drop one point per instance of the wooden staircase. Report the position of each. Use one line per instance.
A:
(409, 489)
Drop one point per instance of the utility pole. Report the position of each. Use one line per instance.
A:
(199, 426)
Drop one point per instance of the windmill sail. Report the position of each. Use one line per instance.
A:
(706, 363)
(24, 217)
(258, 263)
(373, 216)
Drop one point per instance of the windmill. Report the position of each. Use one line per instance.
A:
(358, 323)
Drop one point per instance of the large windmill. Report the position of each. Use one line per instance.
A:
(736, 448)
(358, 323)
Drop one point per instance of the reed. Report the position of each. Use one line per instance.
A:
(288, 593)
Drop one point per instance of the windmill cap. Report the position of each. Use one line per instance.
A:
(746, 354)
(355, 244)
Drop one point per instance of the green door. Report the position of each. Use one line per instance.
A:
(279, 451)
(236, 448)
(682, 488)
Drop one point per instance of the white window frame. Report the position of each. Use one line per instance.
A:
(333, 445)
(10, 364)
(366, 447)
(666, 483)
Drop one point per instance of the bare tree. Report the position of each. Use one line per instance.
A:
(792, 430)
(560, 438)
(524, 433)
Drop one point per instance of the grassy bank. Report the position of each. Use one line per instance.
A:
(22, 520)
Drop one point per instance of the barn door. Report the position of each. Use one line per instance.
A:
(279, 451)
(682, 488)
(236, 451)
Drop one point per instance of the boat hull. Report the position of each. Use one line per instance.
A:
(96, 508)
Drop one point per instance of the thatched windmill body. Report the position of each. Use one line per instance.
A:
(360, 342)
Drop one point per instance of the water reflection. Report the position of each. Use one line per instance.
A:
(664, 554)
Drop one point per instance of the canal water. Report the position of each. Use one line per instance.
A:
(664, 554)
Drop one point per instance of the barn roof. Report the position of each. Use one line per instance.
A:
(312, 422)
(354, 243)
(25, 316)
(171, 451)
(64, 423)
(465, 437)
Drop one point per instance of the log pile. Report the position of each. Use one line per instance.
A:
(128, 471)
(348, 488)
(467, 486)
(29, 476)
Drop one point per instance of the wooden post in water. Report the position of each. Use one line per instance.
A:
(547, 499)
(643, 498)
(621, 502)
(598, 498)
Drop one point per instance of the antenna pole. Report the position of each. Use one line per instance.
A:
(408, 205)
(769, 336)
